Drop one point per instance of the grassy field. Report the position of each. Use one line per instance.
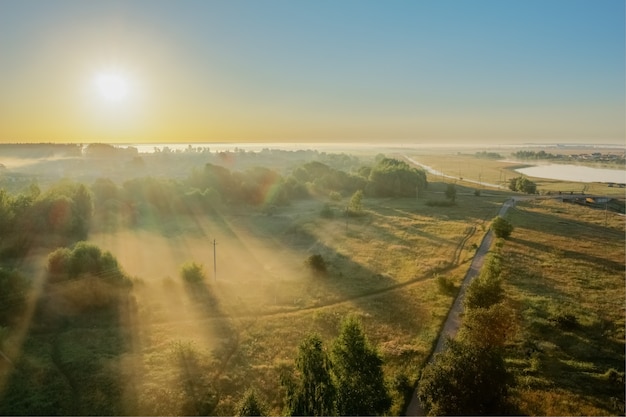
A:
(564, 273)
(173, 348)
(176, 349)
(467, 166)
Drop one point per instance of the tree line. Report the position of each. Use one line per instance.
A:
(470, 376)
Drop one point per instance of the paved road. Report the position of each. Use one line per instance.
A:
(453, 321)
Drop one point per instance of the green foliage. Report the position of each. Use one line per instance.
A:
(522, 184)
(451, 192)
(13, 292)
(85, 259)
(251, 405)
(445, 285)
(316, 263)
(192, 273)
(394, 178)
(355, 207)
(358, 373)
(501, 227)
(313, 394)
(486, 290)
(326, 179)
(334, 196)
(534, 155)
(489, 327)
(488, 155)
(465, 380)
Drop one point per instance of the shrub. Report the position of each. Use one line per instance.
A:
(192, 272)
(316, 263)
(501, 227)
(334, 196)
(445, 285)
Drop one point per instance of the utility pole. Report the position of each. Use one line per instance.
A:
(214, 261)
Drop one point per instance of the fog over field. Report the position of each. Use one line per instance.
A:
(208, 274)
(312, 208)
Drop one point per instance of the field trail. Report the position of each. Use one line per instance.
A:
(453, 321)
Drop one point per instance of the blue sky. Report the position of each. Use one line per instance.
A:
(414, 71)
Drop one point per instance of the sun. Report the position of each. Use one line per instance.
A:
(112, 86)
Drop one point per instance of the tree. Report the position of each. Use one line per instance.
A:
(451, 192)
(317, 264)
(465, 380)
(355, 207)
(523, 185)
(394, 178)
(192, 272)
(250, 405)
(313, 394)
(358, 373)
(486, 290)
(501, 227)
(489, 327)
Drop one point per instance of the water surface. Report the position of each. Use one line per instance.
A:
(576, 173)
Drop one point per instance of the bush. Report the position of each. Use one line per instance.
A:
(85, 259)
(334, 196)
(565, 320)
(192, 273)
(316, 263)
(523, 185)
(445, 285)
(501, 227)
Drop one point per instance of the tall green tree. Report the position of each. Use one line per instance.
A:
(523, 185)
(313, 394)
(355, 207)
(465, 380)
(394, 178)
(251, 405)
(358, 373)
(451, 192)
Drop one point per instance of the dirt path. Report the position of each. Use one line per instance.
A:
(453, 321)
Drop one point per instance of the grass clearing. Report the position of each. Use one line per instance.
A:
(564, 270)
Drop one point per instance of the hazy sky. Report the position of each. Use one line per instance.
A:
(424, 71)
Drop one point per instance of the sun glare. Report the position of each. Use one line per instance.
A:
(112, 86)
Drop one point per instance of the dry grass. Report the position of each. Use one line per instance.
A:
(497, 172)
(381, 267)
(564, 270)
